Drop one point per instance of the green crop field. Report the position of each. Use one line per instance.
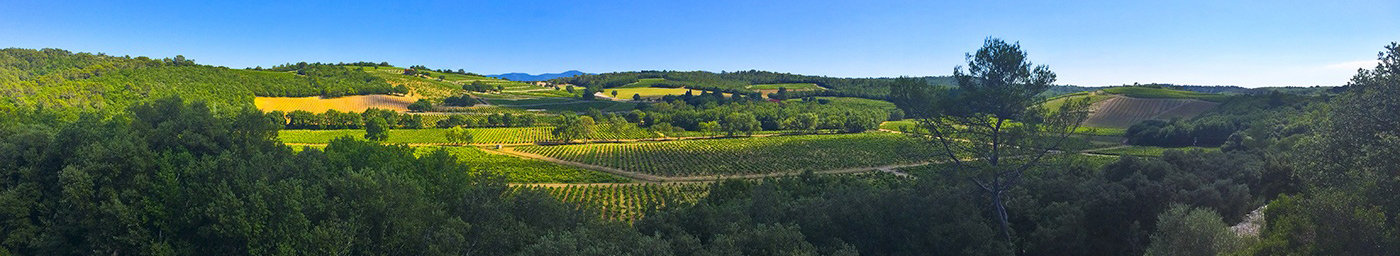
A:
(803, 86)
(1147, 151)
(1160, 93)
(782, 154)
(899, 126)
(523, 170)
(626, 202)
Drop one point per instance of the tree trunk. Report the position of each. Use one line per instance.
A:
(1001, 216)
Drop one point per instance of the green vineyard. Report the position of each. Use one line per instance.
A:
(782, 154)
(523, 170)
(627, 202)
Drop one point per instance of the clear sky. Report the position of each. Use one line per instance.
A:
(1247, 43)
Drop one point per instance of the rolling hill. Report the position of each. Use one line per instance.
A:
(83, 82)
(1120, 107)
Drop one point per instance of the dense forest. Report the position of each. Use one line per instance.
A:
(67, 81)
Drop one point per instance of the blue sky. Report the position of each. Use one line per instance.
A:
(1247, 43)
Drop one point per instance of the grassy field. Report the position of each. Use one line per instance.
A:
(1056, 102)
(1160, 93)
(523, 170)
(1101, 131)
(1147, 151)
(643, 83)
(797, 87)
(436, 136)
(783, 154)
(625, 202)
(900, 126)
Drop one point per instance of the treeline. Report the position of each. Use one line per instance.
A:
(870, 87)
(708, 97)
(709, 115)
(1229, 120)
(425, 71)
(333, 119)
(492, 120)
(335, 80)
(785, 94)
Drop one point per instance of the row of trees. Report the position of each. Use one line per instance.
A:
(333, 119)
(491, 120)
(801, 116)
(871, 87)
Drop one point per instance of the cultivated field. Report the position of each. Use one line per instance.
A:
(523, 170)
(626, 202)
(1121, 112)
(357, 103)
(765, 155)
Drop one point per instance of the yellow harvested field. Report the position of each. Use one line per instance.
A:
(358, 103)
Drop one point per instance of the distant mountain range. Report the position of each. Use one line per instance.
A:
(541, 77)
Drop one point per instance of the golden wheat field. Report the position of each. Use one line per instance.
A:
(358, 103)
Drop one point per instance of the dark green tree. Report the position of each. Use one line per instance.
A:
(422, 105)
(376, 129)
(740, 123)
(993, 116)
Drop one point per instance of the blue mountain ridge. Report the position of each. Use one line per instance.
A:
(541, 77)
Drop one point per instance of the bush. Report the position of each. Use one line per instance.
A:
(422, 105)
